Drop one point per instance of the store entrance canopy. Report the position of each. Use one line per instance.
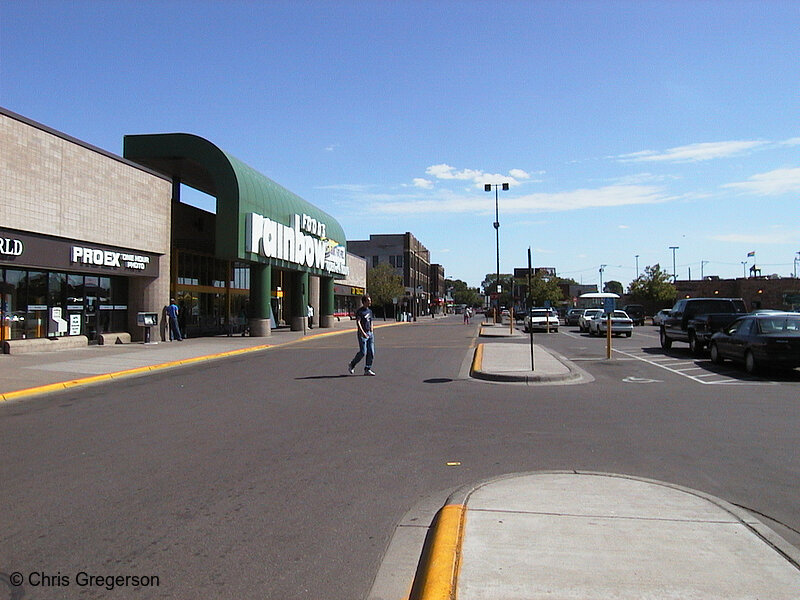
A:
(243, 196)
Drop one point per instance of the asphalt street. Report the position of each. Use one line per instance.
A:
(278, 475)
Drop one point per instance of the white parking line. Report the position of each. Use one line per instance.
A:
(699, 378)
(680, 367)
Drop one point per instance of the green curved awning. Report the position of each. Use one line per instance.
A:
(238, 188)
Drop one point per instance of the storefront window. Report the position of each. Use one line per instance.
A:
(57, 290)
(36, 316)
(241, 276)
(15, 301)
(74, 304)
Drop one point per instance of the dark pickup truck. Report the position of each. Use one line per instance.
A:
(695, 320)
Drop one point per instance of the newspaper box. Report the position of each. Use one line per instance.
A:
(147, 320)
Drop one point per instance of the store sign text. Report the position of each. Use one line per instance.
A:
(108, 258)
(11, 247)
(275, 240)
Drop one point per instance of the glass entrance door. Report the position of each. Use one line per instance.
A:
(91, 294)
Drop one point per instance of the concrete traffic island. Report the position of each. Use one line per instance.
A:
(511, 363)
(577, 535)
(498, 330)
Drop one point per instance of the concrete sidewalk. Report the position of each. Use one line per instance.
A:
(32, 374)
(571, 535)
(514, 362)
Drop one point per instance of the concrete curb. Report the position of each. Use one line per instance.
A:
(437, 575)
(94, 379)
(477, 372)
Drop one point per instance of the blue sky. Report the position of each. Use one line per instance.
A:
(624, 128)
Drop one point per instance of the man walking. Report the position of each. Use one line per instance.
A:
(366, 338)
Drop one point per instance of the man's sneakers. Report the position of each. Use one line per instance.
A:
(351, 370)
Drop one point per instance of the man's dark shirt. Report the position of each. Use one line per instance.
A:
(364, 317)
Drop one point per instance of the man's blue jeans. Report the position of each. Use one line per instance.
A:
(366, 347)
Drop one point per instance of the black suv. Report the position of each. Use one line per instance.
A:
(636, 313)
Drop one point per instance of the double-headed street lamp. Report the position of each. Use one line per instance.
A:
(674, 274)
(488, 188)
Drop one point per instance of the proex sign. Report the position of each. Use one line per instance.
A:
(302, 243)
(108, 258)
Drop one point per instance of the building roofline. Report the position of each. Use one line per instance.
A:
(73, 140)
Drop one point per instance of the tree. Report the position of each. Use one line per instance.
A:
(543, 290)
(506, 286)
(383, 285)
(653, 288)
(613, 287)
(463, 294)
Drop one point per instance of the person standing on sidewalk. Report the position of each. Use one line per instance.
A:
(366, 337)
(172, 314)
(310, 313)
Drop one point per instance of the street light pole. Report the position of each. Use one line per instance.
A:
(488, 188)
(702, 264)
(602, 268)
(674, 274)
(637, 267)
(744, 269)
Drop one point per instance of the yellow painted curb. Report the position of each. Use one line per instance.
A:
(62, 385)
(86, 380)
(42, 389)
(477, 360)
(441, 558)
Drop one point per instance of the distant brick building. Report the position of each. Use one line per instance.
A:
(757, 292)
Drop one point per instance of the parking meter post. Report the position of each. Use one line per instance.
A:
(511, 321)
(533, 364)
(608, 337)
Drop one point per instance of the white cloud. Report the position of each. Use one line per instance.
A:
(477, 177)
(780, 237)
(623, 227)
(694, 152)
(425, 184)
(639, 178)
(771, 183)
(791, 142)
(449, 203)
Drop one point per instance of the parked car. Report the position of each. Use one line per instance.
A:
(573, 316)
(586, 316)
(760, 340)
(621, 324)
(541, 319)
(658, 318)
(695, 320)
(635, 312)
